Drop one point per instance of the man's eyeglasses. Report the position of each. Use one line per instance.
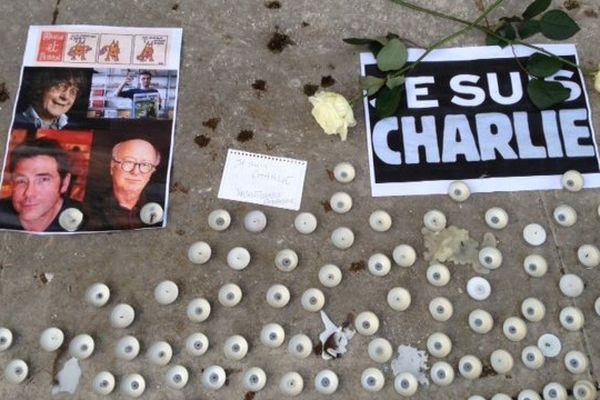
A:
(129, 166)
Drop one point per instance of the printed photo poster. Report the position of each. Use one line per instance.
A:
(465, 115)
(91, 141)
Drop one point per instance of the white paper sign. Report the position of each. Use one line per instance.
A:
(263, 179)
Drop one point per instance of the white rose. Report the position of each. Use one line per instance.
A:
(597, 80)
(333, 113)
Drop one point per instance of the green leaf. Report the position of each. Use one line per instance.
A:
(388, 101)
(509, 32)
(393, 56)
(375, 47)
(536, 8)
(373, 44)
(514, 18)
(546, 94)
(541, 65)
(502, 29)
(371, 84)
(382, 40)
(394, 81)
(491, 40)
(359, 41)
(557, 25)
(529, 28)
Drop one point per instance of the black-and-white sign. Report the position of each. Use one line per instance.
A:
(465, 115)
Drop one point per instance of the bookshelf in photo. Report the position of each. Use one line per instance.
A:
(104, 102)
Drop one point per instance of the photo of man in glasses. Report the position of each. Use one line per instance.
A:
(132, 164)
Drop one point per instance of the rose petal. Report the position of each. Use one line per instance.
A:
(333, 113)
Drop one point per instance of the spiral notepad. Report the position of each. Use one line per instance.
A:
(263, 179)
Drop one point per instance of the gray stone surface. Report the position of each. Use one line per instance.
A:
(224, 52)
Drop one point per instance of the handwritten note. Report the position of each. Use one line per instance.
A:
(263, 179)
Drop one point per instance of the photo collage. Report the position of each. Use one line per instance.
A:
(89, 147)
